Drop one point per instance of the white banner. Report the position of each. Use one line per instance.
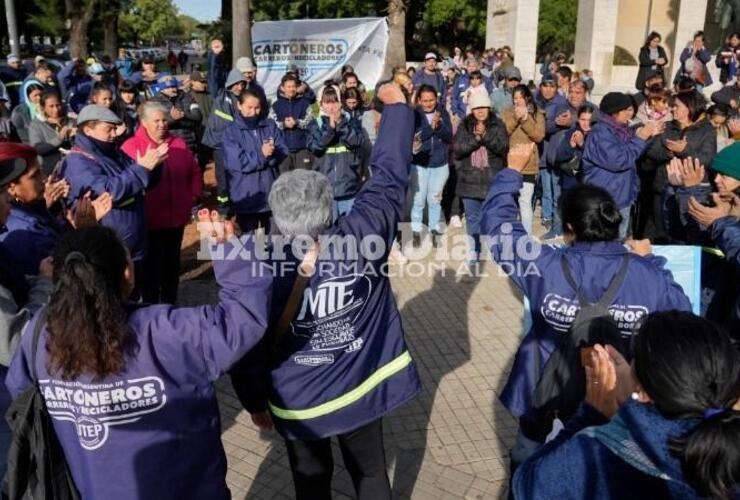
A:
(319, 47)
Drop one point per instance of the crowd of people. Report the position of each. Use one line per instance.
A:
(617, 386)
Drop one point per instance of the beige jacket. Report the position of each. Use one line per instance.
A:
(531, 130)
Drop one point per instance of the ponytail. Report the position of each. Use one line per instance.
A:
(710, 455)
(87, 322)
(691, 371)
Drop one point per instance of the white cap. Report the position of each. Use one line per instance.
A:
(479, 100)
(244, 64)
(431, 55)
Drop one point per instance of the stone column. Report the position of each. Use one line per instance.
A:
(514, 23)
(595, 38)
(689, 19)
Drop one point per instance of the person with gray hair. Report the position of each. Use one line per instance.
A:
(335, 361)
(170, 197)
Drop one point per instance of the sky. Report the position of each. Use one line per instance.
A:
(202, 10)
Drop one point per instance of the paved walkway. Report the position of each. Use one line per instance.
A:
(449, 443)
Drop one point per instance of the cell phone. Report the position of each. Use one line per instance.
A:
(586, 359)
(56, 172)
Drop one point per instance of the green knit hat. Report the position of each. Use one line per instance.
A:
(727, 161)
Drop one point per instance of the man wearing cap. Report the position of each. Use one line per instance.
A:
(95, 165)
(503, 97)
(12, 76)
(612, 150)
(249, 72)
(217, 72)
(553, 104)
(225, 108)
(184, 115)
(462, 84)
(431, 75)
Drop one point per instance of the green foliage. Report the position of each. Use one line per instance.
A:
(623, 57)
(47, 17)
(151, 20)
(557, 26)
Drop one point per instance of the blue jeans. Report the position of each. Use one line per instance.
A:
(342, 207)
(427, 186)
(550, 194)
(624, 227)
(525, 205)
(472, 222)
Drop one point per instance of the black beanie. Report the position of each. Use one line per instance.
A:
(614, 102)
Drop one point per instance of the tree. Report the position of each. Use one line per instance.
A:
(151, 20)
(557, 26)
(109, 16)
(396, 54)
(48, 17)
(241, 33)
(79, 15)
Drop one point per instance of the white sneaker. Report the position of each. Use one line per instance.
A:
(397, 255)
(455, 221)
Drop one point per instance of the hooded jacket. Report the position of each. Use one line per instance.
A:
(611, 163)
(595, 458)
(647, 288)
(179, 183)
(118, 431)
(473, 182)
(225, 109)
(88, 168)
(249, 174)
(338, 153)
(343, 362)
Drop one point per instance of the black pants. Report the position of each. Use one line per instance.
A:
(248, 223)
(362, 449)
(298, 159)
(223, 185)
(161, 275)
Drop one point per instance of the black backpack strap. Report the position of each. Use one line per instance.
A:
(582, 299)
(611, 291)
(616, 283)
(37, 327)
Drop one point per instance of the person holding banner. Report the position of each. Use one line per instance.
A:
(592, 260)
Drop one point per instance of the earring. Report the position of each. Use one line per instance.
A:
(635, 396)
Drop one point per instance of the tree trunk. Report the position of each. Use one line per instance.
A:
(110, 35)
(241, 30)
(396, 54)
(79, 14)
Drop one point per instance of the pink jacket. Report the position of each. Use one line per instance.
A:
(170, 200)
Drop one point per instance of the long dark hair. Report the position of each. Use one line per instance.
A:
(693, 100)
(690, 369)
(590, 213)
(652, 36)
(527, 95)
(87, 323)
